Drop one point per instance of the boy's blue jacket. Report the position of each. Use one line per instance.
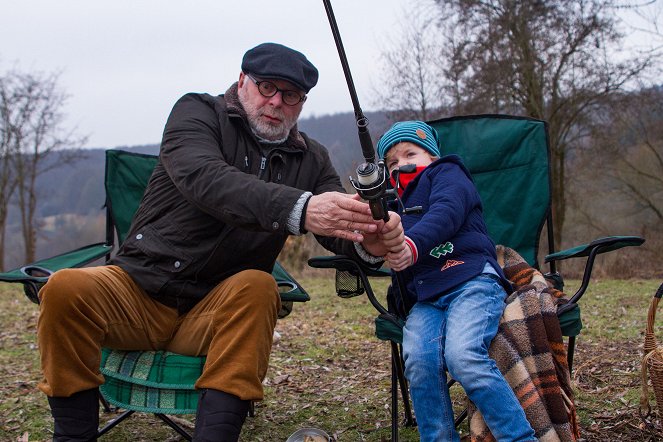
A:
(450, 234)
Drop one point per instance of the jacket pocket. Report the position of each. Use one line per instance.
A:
(159, 253)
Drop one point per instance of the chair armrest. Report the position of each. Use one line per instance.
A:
(602, 245)
(596, 247)
(289, 289)
(39, 271)
(344, 263)
(34, 275)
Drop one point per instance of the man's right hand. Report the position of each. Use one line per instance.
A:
(339, 215)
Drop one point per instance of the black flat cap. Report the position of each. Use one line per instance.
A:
(275, 61)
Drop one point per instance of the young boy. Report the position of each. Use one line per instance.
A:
(451, 275)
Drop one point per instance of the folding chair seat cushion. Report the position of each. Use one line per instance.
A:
(389, 327)
(151, 381)
(570, 321)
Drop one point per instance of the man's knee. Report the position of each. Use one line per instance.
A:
(259, 287)
(62, 291)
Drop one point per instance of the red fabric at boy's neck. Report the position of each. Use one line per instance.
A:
(405, 178)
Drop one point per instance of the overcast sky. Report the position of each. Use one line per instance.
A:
(124, 63)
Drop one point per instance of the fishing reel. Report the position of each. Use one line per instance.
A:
(371, 185)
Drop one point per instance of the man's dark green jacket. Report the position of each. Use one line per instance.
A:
(218, 201)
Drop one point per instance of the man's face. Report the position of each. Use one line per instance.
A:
(269, 117)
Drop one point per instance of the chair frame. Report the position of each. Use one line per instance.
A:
(34, 275)
(590, 251)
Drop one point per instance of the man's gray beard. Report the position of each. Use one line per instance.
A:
(264, 131)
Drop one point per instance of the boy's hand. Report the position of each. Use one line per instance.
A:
(400, 260)
(388, 239)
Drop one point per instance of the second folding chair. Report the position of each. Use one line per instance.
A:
(509, 159)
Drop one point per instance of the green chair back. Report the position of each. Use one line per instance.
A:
(509, 161)
(127, 175)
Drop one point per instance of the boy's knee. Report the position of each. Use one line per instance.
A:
(460, 362)
(415, 355)
(420, 361)
(464, 365)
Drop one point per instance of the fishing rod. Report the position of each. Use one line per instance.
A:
(372, 181)
(371, 185)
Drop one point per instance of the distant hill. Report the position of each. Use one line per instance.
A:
(338, 133)
(78, 188)
(71, 196)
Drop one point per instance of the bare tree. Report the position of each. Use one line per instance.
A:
(32, 128)
(7, 152)
(630, 144)
(556, 60)
(409, 89)
(645, 22)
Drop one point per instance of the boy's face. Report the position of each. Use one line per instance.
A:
(407, 153)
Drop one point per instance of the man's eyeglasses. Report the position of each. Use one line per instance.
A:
(269, 89)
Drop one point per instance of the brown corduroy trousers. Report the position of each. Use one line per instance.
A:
(83, 310)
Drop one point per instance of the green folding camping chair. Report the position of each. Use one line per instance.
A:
(509, 161)
(155, 382)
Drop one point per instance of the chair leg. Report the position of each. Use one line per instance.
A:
(174, 426)
(398, 381)
(113, 423)
(460, 418)
(394, 399)
(105, 404)
(400, 372)
(463, 414)
(569, 352)
(110, 425)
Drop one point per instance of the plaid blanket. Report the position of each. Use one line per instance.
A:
(529, 351)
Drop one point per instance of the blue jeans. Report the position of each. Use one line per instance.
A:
(453, 334)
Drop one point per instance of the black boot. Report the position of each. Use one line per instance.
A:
(75, 418)
(220, 416)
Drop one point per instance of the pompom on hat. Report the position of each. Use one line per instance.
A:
(416, 132)
(275, 61)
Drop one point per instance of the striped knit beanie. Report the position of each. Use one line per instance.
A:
(416, 132)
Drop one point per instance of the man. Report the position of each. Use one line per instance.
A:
(234, 179)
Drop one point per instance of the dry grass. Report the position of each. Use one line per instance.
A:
(328, 371)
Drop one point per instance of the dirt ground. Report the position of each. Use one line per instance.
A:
(607, 385)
